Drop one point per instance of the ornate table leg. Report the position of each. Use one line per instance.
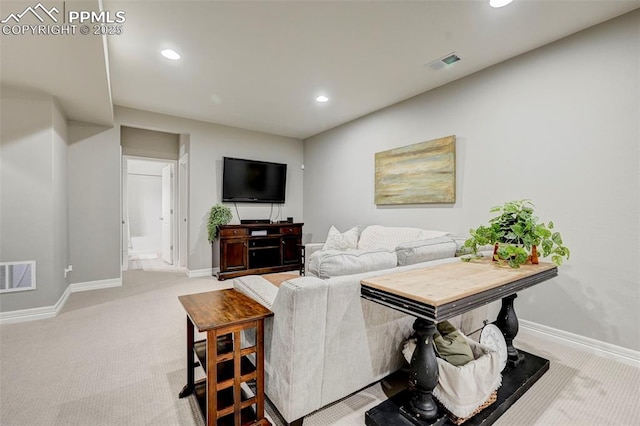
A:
(424, 373)
(507, 322)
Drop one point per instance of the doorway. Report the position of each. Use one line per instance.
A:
(149, 223)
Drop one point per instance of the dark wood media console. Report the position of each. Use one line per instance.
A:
(259, 249)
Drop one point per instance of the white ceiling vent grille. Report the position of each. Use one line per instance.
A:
(447, 60)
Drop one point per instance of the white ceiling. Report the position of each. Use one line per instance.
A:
(71, 68)
(259, 65)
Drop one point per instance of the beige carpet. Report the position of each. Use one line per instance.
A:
(117, 357)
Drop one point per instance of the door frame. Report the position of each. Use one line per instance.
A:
(124, 205)
(183, 211)
(168, 202)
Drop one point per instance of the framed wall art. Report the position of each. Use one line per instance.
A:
(422, 173)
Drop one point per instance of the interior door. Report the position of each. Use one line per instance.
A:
(167, 214)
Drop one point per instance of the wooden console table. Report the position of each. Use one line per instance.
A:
(441, 292)
(223, 315)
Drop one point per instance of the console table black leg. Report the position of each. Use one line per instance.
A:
(507, 322)
(424, 371)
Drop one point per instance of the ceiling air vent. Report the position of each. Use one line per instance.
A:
(450, 59)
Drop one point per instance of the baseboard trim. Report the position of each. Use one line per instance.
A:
(44, 312)
(95, 285)
(33, 314)
(207, 272)
(596, 347)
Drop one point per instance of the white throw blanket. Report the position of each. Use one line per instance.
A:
(463, 389)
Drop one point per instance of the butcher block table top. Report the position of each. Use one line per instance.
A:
(443, 291)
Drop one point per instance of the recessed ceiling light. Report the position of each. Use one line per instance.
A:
(170, 54)
(322, 98)
(499, 3)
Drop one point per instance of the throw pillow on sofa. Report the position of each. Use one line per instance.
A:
(425, 250)
(341, 241)
(333, 263)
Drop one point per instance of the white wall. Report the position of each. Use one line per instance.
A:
(60, 250)
(146, 143)
(558, 125)
(33, 194)
(94, 202)
(207, 144)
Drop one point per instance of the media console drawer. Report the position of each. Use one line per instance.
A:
(291, 230)
(233, 232)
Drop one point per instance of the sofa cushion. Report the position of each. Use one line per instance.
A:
(377, 237)
(425, 250)
(341, 241)
(333, 263)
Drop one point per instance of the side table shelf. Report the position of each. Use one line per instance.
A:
(225, 397)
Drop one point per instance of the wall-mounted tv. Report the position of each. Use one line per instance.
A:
(251, 181)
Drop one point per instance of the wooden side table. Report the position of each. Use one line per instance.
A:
(223, 315)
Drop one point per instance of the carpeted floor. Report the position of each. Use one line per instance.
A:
(117, 357)
(151, 262)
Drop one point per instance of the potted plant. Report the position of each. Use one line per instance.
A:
(218, 215)
(517, 236)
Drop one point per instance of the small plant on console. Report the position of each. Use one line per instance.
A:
(517, 236)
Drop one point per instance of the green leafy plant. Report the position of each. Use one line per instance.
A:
(519, 235)
(218, 215)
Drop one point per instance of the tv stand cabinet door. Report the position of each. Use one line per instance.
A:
(234, 254)
(291, 240)
(291, 250)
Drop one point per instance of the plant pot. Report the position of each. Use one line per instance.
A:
(533, 258)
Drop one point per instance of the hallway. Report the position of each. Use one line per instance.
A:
(151, 262)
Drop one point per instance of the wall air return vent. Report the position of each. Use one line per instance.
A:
(17, 276)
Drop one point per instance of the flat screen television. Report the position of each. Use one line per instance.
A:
(251, 181)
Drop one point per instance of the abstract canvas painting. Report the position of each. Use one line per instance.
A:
(417, 174)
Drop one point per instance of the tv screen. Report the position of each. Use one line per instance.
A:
(253, 181)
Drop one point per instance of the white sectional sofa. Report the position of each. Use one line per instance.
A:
(380, 247)
(325, 342)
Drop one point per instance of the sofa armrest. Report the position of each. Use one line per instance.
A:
(309, 249)
(294, 347)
